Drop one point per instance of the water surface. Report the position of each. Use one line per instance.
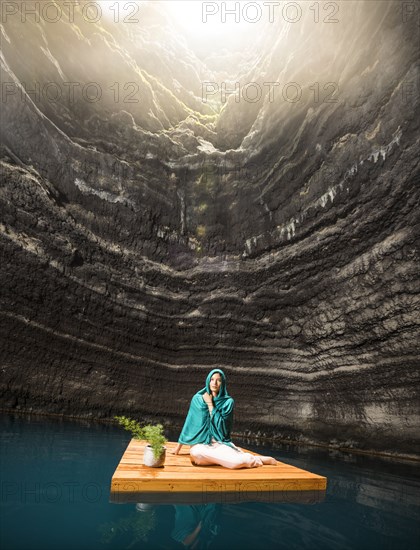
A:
(55, 479)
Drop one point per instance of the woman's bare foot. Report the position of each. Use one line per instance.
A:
(269, 460)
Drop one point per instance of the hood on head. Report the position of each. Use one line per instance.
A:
(222, 391)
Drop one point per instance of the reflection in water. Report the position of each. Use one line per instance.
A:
(245, 492)
(127, 531)
(196, 525)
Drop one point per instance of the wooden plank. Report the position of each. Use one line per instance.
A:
(179, 479)
(200, 477)
(260, 484)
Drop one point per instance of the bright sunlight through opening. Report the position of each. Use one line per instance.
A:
(199, 19)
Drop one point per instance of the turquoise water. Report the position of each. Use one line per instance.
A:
(55, 478)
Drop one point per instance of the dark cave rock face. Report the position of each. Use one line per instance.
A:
(145, 243)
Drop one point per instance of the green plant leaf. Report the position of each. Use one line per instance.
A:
(152, 433)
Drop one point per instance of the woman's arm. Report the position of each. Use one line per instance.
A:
(177, 449)
(221, 420)
(209, 402)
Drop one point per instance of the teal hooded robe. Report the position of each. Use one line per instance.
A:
(199, 427)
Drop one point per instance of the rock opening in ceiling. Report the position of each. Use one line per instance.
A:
(240, 147)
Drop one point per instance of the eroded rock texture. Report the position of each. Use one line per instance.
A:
(144, 243)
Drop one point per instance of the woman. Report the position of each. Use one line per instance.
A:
(208, 425)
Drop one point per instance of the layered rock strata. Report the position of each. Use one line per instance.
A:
(144, 243)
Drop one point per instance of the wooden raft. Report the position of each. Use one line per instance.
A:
(181, 481)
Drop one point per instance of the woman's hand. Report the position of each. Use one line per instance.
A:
(177, 449)
(209, 402)
(208, 399)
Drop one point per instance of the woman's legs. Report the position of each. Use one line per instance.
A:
(217, 453)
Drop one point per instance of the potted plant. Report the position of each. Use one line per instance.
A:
(155, 450)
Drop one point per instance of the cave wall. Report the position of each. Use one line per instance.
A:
(144, 244)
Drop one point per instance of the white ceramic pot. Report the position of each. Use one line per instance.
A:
(150, 460)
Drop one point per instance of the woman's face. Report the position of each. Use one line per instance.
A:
(215, 383)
